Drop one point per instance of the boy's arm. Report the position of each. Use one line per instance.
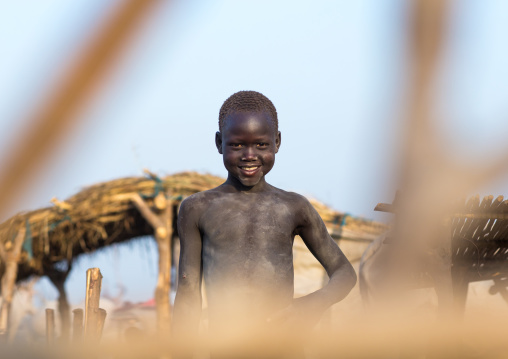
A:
(187, 310)
(340, 271)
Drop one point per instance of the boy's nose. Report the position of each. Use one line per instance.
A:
(249, 154)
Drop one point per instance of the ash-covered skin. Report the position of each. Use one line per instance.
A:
(240, 236)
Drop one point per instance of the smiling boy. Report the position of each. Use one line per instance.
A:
(239, 236)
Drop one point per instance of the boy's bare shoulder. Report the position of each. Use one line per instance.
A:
(199, 201)
(296, 200)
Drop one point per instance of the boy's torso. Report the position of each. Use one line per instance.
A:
(247, 250)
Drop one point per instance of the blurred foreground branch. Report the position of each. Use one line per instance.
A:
(56, 117)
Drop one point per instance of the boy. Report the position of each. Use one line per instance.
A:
(239, 236)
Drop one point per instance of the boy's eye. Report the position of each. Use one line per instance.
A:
(262, 144)
(236, 145)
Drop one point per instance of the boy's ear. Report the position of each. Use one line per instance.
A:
(218, 141)
(277, 142)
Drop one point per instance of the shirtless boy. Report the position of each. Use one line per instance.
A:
(239, 236)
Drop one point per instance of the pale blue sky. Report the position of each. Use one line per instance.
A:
(335, 71)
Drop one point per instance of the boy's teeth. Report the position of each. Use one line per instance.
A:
(249, 168)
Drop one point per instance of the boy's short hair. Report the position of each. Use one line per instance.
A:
(243, 101)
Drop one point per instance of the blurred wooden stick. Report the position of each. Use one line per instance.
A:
(55, 119)
(50, 326)
(11, 258)
(163, 239)
(101, 319)
(425, 41)
(77, 325)
(93, 294)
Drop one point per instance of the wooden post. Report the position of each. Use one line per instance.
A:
(58, 279)
(93, 293)
(64, 313)
(163, 238)
(50, 326)
(163, 229)
(77, 325)
(101, 318)
(10, 258)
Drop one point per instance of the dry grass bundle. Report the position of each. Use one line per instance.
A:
(103, 214)
(480, 238)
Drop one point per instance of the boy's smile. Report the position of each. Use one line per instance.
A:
(248, 143)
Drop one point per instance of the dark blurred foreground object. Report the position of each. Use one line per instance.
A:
(479, 251)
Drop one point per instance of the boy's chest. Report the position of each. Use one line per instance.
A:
(257, 223)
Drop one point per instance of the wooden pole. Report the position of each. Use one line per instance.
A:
(152, 218)
(11, 259)
(50, 326)
(58, 279)
(93, 293)
(77, 325)
(162, 225)
(101, 318)
(162, 303)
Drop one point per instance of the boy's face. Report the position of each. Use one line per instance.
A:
(248, 143)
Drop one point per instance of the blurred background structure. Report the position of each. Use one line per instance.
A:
(337, 72)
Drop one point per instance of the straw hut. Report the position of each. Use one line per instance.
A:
(47, 240)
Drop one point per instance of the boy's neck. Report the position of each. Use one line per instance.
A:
(235, 184)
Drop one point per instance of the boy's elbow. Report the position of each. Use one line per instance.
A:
(350, 276)
(344, 279)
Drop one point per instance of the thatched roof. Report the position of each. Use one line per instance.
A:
(103, 214)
